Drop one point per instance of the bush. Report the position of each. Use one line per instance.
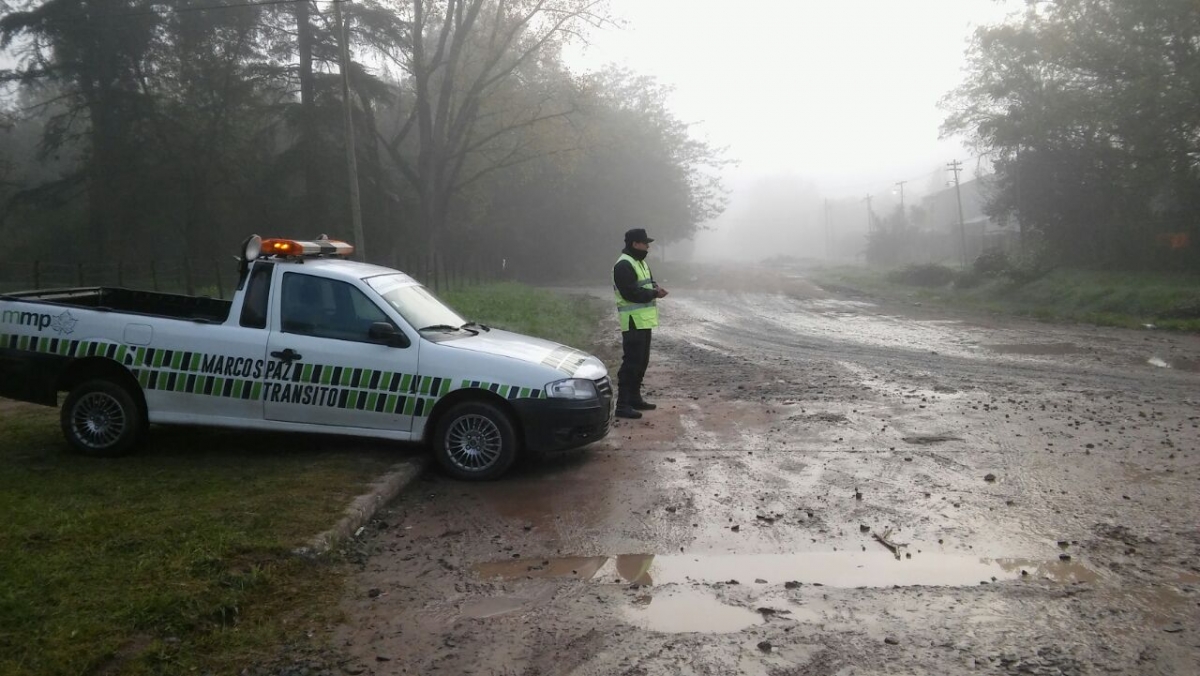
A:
(992, 263)
(926, 275)
(969, 279)
(1029, 267)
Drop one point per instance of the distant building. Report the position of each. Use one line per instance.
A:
(980, 232)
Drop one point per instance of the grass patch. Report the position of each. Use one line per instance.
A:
(169, 560)
(179, 559)
(1169, 301)
(570, 320)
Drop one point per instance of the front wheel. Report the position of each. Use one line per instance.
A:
(101, 418)
(475, 441)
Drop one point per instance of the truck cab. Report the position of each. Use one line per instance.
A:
(311, 342)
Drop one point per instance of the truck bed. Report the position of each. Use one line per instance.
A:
(174, 306)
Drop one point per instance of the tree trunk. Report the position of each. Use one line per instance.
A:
(313, 198)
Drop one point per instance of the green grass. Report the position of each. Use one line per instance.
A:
(570, 320)
(175, 558)
(180, 559)
(1103, 298)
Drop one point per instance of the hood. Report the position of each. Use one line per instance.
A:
(568, 360)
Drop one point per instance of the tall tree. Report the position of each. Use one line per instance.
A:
(94, 53)
(1088, 110)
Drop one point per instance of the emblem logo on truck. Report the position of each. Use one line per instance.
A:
(61, 324)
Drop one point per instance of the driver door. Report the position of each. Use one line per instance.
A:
(323, 368)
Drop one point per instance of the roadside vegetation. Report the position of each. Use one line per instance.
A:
(530, 310)
(181, 559)
(993, 284)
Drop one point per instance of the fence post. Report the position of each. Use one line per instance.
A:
(37, 275)
(439, 269)
(220, 286)
(153, 275)
(187, 277)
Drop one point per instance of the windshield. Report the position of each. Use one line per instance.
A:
(414, 302)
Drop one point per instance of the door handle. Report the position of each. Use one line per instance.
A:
(288, 356)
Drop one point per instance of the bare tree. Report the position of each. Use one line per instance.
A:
(462, 54)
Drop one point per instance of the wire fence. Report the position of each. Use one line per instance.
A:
(213, 277)
(184, 275)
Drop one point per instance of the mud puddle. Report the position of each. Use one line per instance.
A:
(683, 610)
(830, 569)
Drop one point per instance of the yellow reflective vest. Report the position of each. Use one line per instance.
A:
(636, 315)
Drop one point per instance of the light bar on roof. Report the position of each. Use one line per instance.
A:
(295, 247)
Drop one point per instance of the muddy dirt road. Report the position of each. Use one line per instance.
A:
(829, 486)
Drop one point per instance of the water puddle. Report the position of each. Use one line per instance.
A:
(833, 569)
(1155, 361)
(1037, 349)
(681, 610)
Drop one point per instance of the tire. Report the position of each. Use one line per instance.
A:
(102, 419)
(475, 441)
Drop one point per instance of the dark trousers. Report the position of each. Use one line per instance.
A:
(636, 345)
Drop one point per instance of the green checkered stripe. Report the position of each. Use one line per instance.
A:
(360, 389)
(179, 371)
(506, 391)
(375, 390)
(62, 347)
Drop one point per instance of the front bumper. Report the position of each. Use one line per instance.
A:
(560, 424)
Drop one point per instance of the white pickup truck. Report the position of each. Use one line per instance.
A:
(310, 342)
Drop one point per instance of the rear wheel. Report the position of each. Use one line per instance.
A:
(475, 441)
(101, 418)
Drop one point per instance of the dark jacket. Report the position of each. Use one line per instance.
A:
(625, 279)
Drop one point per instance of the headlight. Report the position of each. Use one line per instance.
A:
(572, 388)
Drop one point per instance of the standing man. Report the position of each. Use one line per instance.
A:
(637, 311)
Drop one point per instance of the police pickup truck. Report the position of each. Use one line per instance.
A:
(310, 342)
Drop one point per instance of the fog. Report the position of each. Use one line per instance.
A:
(835, 101)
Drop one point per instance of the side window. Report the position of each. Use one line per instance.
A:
(327, 308)
(258, 292)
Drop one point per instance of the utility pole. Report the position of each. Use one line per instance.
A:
(360, 244)
(956, 167)
(870, 215)
(903, 215)
(828, 251)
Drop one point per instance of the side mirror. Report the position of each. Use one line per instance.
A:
(387, 334)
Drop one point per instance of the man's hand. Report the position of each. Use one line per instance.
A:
(661, 292)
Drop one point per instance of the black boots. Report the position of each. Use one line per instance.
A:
(626, 411)
(630, 405)
(625, 405)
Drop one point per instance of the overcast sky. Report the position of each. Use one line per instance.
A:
(843, 93)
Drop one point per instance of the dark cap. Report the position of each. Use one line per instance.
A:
(637, 235)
